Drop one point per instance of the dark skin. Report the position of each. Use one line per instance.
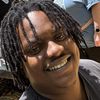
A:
(56, 79)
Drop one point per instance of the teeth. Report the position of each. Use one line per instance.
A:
(60, 65)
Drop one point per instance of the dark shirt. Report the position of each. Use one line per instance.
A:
(89, 72)
(31, 94)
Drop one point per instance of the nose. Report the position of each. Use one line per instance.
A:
(54, 49)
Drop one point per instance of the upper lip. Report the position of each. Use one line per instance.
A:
(58, 62)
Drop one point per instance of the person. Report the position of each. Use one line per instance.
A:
(87, 14)
(41, 43)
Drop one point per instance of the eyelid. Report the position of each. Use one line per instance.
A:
(60, 37)
(34, 50)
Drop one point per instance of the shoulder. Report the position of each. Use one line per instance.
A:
(31, 94)
(89, 72)
(87, 3)
(28, 94)
(89, 63)
(90, 68)
(90, 3)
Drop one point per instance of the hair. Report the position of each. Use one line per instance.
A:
(11, 45)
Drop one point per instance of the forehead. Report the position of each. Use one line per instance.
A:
(41, 23)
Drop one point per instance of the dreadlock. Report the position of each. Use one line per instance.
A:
(11, 45)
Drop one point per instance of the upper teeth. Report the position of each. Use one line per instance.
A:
(56, 67)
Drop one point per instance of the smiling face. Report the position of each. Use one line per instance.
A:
(52, 64)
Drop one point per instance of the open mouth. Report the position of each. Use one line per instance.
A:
(59, 65)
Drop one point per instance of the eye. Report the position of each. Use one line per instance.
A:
(33, 50)
(59, 37)
(36, 49)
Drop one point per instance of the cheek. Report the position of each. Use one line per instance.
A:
(32, 62)
(70, 45)
(34, 70)
(31, 59)
(32, 66)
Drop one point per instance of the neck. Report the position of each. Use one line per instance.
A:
(75, 92)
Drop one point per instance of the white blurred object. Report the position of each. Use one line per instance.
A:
(6, 1)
